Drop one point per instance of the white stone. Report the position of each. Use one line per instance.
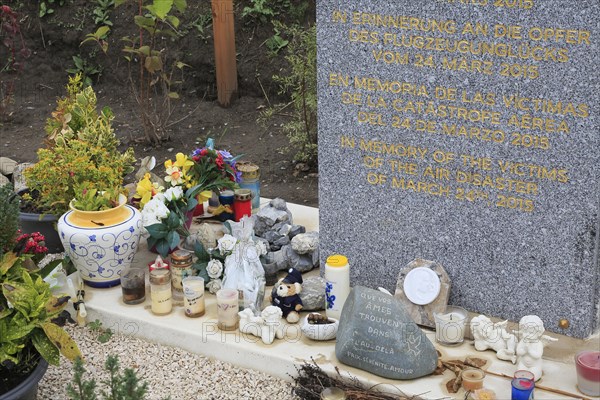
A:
(306, 243)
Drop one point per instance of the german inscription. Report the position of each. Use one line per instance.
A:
(465, 132)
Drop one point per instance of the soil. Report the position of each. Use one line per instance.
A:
(54, 39)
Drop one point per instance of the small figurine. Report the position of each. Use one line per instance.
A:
(267, 326)
(531, 345)
(286, 295)
(492, 336)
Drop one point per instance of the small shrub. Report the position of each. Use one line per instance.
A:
(9, 218)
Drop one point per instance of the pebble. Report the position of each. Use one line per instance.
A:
(169, 371)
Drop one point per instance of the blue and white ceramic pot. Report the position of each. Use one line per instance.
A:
(101, 244)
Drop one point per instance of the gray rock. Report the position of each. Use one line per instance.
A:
(313, 294)
(260, 226)
(7, 166)
(4, 180)
(18, 177)
(272, 236)
(270, 216)
(296, 230)
(306, 243)
(280, 258)
(279, 204)
(284, 229)
(302, 262)
(377, 335)
(282, 241)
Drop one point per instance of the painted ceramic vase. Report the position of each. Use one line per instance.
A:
(101, 244)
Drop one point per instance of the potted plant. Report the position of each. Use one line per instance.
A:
(81, 152)
(100, 234)
(29, 339)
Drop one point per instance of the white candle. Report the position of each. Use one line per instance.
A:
(228, 306)
(193, 296)
(450, 326)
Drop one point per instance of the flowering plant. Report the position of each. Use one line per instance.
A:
(31, 243)
(214, 169)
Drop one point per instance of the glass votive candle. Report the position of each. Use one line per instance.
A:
(333, 393)
(523, 384)
(472, 379)
(133, 285)
(228, 306)
(588, 372)
(160, 291)
(193, 296)
(450, 326)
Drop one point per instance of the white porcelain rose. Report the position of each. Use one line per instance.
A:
(226, 244)
(214, 285)
(214, 269)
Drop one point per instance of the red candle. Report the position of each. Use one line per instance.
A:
(242, 204)
(588, 372)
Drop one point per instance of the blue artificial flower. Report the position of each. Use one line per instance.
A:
(225, 154)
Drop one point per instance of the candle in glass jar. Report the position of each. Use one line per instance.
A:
(522, 384)
(472, 379)
(450, 326)
(193, 296)
(160, 291)
(227, 309)
(588, 372)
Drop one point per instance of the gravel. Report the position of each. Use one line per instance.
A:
(169, 371)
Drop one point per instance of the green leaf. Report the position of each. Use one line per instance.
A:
(173, 239)
(180, 5)
(160, 8)
(145, 50)
(17, 332)
(119, 2)
(153, 64)
(173, 20)
(102, 31)
(200, 252)
(143, 22)
(162, 246)
(45, 347)
(61, 339)
(157, 231)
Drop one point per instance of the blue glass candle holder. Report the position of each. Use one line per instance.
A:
(226, 198)
(522, 386)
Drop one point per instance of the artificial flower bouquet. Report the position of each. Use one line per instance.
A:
(167, 213)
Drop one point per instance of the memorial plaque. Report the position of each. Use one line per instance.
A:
(465, 132)
(376, 334)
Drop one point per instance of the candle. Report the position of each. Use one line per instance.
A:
(158, 263)
(160, 291)
(227, 309)
(472, 379)
(523, 384)
(193, 296)
(450, 326)
(588, 372)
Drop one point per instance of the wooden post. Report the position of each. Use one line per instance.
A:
(225, 63)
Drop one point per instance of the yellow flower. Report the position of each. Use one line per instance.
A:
(146, 189)
(183, 162)
(174, 175)
(484, 394)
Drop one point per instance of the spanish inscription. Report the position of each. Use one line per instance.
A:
(470, 122)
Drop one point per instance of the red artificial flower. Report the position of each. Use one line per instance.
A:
(203, 152)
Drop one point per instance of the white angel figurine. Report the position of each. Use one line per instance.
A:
(531, 345)
(488, 335)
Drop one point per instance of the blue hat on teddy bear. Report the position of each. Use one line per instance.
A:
(293, 276)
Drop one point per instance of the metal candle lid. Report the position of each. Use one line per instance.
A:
(160, 276)
(181, 257)
(248, 170)
(243, 194)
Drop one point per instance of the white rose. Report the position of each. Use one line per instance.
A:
(174, 193)
(261, 248)
(214, 269)
(226, 243)
(153, 212)
(214, 285)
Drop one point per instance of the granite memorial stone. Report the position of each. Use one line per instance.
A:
(465, 132)
(377, 335)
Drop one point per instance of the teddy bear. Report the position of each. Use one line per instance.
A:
(286, 295)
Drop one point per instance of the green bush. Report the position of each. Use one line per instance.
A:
(300, 82)
(9, 218)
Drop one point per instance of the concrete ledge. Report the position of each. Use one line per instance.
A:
(280, 359)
